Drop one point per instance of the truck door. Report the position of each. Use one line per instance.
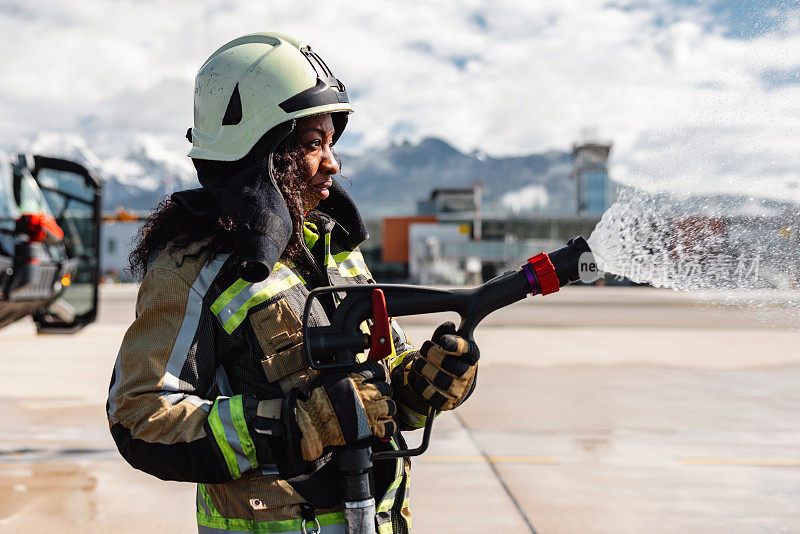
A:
(73, 194)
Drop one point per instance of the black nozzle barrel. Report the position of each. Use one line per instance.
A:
(569, 260)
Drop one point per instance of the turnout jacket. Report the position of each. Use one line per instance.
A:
(209, 359)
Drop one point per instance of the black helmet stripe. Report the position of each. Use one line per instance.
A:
(327, 90)
(320, 95)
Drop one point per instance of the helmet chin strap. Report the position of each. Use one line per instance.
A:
(286, 129)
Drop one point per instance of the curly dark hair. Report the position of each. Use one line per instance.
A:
(171, 223)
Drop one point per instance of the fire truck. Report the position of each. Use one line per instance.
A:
(49, 242)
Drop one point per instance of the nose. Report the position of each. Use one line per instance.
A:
(329, 163)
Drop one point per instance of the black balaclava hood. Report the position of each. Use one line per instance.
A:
(246, 191)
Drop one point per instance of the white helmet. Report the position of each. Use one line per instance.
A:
(254, 83)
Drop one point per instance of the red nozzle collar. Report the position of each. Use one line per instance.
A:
(545, 273)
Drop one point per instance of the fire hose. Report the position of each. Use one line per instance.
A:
(334, 348)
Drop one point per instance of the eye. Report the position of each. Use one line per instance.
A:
(316, 143)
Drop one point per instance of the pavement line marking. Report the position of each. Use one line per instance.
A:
(743, 462)
(496, 473)
(489, 459)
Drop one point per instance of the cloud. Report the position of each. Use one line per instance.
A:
(695, 93)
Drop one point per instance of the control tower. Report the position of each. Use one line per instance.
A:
(590, 171)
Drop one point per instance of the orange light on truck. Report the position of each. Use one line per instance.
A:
(66, 280)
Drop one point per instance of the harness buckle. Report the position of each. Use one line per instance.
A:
(315, 530)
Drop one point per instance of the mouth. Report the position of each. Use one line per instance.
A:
(321, 188)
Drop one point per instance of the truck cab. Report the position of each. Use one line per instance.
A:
(49, 243)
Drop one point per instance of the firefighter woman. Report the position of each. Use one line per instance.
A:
(211, 384)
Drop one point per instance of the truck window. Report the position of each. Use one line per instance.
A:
(8, 208)
(30, 197)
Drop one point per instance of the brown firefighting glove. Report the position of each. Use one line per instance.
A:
(341, 409)
(442, 372)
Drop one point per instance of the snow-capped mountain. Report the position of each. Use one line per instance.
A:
(382, 182)
(136, 180)
(63, 145)
(391, 180)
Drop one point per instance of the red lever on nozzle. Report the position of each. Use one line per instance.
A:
(380, 345)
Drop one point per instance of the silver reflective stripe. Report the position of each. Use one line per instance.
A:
(340, 528)
(175, 398)
(191, 319)
(112, 392)
(203, 404)
(353, 262)
(222, 382)
(269, 469)
(400, 333)
(404, 345)
(248, 291)
(210, 530)
(202, 502)
(231, 435)
(411, 417)
(389, 497)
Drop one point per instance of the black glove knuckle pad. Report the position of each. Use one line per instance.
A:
(473, 354)
(442, 381)
(455, 365)
(417, 366)
(349, 410)
(449, 343)
(384, 388)
(437, 400)
(422, 386)
(443, 329)
(392, 408)
(425, 348)
(371, 370)
(419, 384)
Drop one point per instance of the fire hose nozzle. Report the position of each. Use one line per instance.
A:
(569, 260)
(546, 273)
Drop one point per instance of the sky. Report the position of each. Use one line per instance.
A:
(696, 95)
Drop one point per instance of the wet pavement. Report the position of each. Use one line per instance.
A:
(597, 411)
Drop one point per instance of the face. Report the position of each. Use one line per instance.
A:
(316, 141)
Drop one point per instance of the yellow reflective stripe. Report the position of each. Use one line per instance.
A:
(348, 254)
(391, 492)
(237, 287)
(208, 501)
(310, 234)
(351, 273)
(239, 422)
(351, 263)
(398, 359)
(266, 527)
(228, 295)
(412, 418)
(329, 260)
(219, 436)
(264, 294)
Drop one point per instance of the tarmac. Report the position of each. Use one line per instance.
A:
(598, 410)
